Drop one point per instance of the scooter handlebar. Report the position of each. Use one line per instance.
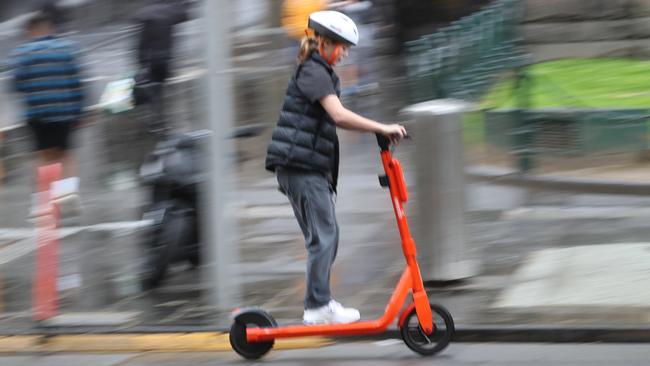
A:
(384, 142)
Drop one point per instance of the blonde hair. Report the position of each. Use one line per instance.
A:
(308, 45)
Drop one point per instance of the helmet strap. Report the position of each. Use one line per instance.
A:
(335, 53)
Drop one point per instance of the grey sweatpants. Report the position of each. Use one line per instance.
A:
(312, 199)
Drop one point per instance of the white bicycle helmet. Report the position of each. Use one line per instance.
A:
(335, 26)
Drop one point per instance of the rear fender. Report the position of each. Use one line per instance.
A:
(240, 315)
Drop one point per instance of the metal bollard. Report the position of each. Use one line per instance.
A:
(439, 202)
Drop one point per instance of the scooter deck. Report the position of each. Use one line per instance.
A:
(362, 327)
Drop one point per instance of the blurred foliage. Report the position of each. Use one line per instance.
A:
(463, 59)
(571, 83)
(473, 128)
(580, 83)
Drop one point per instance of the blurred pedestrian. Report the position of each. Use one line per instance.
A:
(295, 14)
(47, 73)
(52, 10)
(155, 39)
(155, 46)
(304, 154)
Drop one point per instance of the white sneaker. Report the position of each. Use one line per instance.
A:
(333, 312)
(69, 206)
(64, 187)
(65, 193)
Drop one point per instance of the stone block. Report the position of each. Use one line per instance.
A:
(640, 8)
(640, 28)
(569, 10)
(554, 51)
(589, 31)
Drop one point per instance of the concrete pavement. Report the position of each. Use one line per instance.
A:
(529, 246)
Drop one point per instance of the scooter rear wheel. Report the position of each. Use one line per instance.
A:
(250, 319)
(424, 344)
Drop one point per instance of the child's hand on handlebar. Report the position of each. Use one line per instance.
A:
(394, 132)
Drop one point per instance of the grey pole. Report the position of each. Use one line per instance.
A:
(221, 257)
(274, 19)
(439, 218)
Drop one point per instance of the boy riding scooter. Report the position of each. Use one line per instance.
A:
(304, 154)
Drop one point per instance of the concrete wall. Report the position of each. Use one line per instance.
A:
(555, 29)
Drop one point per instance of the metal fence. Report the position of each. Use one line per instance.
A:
(463, 59)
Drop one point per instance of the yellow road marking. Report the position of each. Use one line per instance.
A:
(165, 342)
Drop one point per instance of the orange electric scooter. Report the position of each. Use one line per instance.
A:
(254, 331)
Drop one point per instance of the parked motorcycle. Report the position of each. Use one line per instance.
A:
(175, 173)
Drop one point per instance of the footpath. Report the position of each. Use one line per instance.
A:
(551, 266)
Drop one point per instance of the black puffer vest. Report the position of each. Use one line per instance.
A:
(305, 136)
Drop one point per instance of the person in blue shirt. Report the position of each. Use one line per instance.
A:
(47, 72)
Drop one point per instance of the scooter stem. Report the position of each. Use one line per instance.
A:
(399, 195)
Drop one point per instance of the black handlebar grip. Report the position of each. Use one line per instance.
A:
(383, 141)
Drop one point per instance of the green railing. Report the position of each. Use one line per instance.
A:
(463, 59)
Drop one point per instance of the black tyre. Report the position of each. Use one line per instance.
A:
(250, 319)
(424, 344)
(164, 243)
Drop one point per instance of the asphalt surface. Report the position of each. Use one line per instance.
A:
(101, 250)
(388, 352)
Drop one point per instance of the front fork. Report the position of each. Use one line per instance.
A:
(423, 309)
(420, 298)
(423, 312)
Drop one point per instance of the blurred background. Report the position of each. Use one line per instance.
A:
(540, 185)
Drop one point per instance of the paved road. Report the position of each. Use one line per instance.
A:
(391, 352)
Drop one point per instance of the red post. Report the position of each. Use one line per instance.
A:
(45, 293)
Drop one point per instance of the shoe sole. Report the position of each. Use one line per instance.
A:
(325, 322)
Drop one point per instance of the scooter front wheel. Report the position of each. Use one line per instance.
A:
(252, 318)
(428, 344)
